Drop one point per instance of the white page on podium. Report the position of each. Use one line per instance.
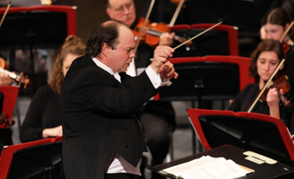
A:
(208, 167)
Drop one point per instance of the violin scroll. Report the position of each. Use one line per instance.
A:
(20, 78)
(6, 121)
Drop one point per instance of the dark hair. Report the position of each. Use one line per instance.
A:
(267, 45)
(279, 16)
(73, 45)
(106, 32)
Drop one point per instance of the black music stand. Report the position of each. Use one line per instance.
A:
(251, 131)
(233, 12)
(203, 80)
(36, 27)
(41, 161)
(214, 42)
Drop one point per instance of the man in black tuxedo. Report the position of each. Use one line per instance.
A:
(157, 117)
(101, 136)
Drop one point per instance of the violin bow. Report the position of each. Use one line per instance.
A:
(286, 32)
(144, 25)
(4, 15)
(175, 16)
(198, 35)
(266, 85)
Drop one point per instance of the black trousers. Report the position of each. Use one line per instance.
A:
(121, 176)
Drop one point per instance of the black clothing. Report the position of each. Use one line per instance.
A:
(122, 176)
(43, 113)
(98, 118)
(157, 117)
(246, 97)
(290, 58)
(5, 138)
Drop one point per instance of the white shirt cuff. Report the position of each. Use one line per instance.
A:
(154, 78)
(166, 83)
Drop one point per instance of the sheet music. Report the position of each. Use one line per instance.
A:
(208, 167)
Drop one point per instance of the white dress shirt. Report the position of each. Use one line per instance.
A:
(119, 164)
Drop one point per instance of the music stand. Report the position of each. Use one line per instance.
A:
(36, 27)
(35, 159)
(235, 13)
(260, 133)
(209, 77)
(221, 40)
(9, 94)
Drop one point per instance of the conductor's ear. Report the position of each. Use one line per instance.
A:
(105, 49)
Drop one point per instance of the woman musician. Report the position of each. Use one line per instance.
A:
(277, 25)
(264, 60)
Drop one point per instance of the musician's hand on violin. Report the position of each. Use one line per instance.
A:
(167, 71)
(52, 132)
(5, 80)
(161, 56)
(273, 102)
(166, 39)
(272, 98)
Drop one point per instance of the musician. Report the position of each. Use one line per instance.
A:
(264, 59)
(5, 134)
(274, 25)
(101, 135)
(43, 116)
(158, 118)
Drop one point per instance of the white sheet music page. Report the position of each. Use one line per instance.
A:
(208, 167)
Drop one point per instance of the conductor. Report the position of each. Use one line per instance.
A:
(101, 136)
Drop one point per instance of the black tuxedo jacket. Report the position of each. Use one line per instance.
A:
(98, 118)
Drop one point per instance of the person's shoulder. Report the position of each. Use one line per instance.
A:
(43, 91)
(81, 62)
(251, 85)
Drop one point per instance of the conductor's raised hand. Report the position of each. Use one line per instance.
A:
(167, 71)
(160, 57)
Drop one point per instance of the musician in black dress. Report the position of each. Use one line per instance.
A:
(264, 59)
(43, 116)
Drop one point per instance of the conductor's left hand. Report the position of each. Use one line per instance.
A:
(167, 71)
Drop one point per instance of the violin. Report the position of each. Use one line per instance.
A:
(278, 81)
(20, 78)
(286, 48)
(281, 83)
(7, 122)
(152, 32)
